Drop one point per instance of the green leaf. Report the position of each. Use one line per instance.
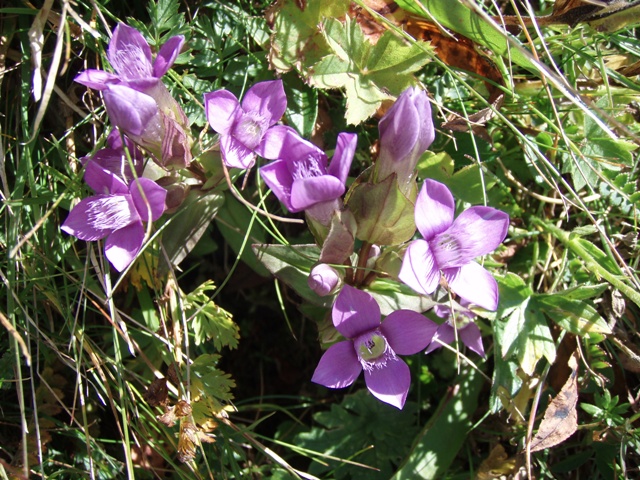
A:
(369, 73)
(210, 388)
(513, 293)
(302, 106)
(598, 255)
(384, 215)
(466, 184)
(236, 221)
(187, 226)
(291, 264)
(457, 17)
(392, 296)
(575, 316)
(436, 166)
(445, 433)
(350, 429)
(584, 292)
(209, 321)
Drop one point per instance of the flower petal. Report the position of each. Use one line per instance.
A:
(123, 245)
(338, 367)
(477, 231)
(96, 79)
(221, 109)
(474, 284)
(408, 332)
(129, 109)
(278, 178)
(355, 312)
(419, 269)
(235, 154)
(96, 217)
(267, 99)
(472, 338)
(273, 142)
(103, 181)
(154, 194)
(445, 333)
(323, 279)
(129, 53)
(389, 383)
(434, 209)
(343, 156)
(167, 55)
(307, 192)
(399, 128)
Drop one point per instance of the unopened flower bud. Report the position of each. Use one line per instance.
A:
(324, 279)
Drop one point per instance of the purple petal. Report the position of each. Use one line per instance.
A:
(419, 269)
(278, 178)
(273, 141)
(307, 192)
(123, 245)
(477, 231)
(474, 284)
(400, 127)
(408, 332)
(355, 312)
(389, 383)
(103, 181)
(96, 79)
(167, 55)
(221, 109)
(235, 154)
(323, 279)
(301, 155)
(267, 99)
(154, 197)
(445, 333)
(338, 367)
(129, 109)
(96, 217)
(472, 338)
(129, 53)
(434, 209)
(343, 156)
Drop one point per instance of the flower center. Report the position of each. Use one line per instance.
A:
(306, 167)
(250, 130)
(446, 249)
(132, 64)
(372, 349)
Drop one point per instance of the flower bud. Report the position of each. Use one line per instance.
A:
(324, 279)
(406, 131)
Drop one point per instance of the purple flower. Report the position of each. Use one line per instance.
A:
(448, 247)
(243, 127)
(114, 159)
(130, 56)
(468, 331)
(406, 131)
(372, 346)
(324, 279)
(301, 179)
(116, 212)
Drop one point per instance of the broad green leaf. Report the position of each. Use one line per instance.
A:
(459, 18)
(297, 42)
(466, 184)
(350, 429)
(445, 433)
(208, 320)
(436, 166)
(584, 292)
(392, 296)
(384, 215)
(187, 226)
(291, 264)
(505, 382)
(513, 292)
(369, 73)
(235, 221)
(598, 255)
(302, 106)
(575, 316)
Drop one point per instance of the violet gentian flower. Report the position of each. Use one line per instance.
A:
(468, 331)
(301, 179)
(243, 126)
(372, 346)
(116, 212)
(114, 158)
(406, 131)
(448, 247)
(324, 279)
(130, 56)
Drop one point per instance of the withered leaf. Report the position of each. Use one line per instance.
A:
(157, 392)
(187, 441)
(475, 122)
(560, 419)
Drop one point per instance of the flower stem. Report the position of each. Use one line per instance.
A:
(363, 256)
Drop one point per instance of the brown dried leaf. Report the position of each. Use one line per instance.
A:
(560, 420)
(157, 393)
(187, 441)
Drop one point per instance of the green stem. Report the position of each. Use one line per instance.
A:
(592, 265)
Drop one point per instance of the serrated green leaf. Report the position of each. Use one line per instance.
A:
(209, 321)
(575, 316)
(369, 73)
(210, 388)
(292, 264)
